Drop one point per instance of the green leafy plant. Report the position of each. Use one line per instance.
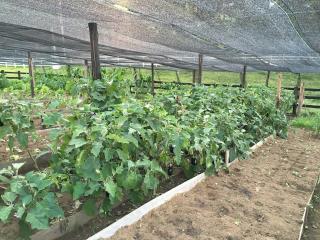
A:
(29, 198)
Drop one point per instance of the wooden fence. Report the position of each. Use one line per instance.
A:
(307, 96)
(17, 75)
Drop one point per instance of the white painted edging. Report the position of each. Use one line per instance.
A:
(306, 210)
(138, 214)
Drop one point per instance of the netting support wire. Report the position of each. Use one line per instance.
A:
(86, 69)
(32, 75)
(268, 78)
(95, 57)
(243, 77)
(152, 79)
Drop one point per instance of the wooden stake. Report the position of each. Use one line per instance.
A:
(301, 99)
(279, 90)
(200, 68)
(31, 74)
(268, 78)
(296, 95)
(152, 79)
(19, 75)
(69, 71)
(194, 73)
(95, 57)
(243, 77)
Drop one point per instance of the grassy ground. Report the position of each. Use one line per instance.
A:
(308, 120)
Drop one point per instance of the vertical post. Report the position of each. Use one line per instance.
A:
(31, 74)
(243, 77)
(86, 69)
(19, 75)
(178, 77)
(200, 68)
(95, 57)
(69, 71)
(268, 78)
(301, 99)
(152, 79)
(296, 95)
(279, 90)
(194, 72)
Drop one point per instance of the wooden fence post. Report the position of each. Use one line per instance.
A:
(279, 90)
(31, 74)
(268, 78)
(152, 79)
(95, 57)
(243, 77)
(19, 75)
(301, 99)
(296, 95)
(200, 68)
(194, 72)
(68, 71)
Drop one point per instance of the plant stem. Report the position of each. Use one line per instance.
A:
(34, 160)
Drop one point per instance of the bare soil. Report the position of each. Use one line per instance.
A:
(35, 147)
(260, 199)
(312, 227)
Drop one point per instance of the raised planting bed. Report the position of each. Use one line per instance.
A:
(263, 198)
(77, 220)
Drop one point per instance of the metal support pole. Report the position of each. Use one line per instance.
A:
(31, 74)
(95, 57)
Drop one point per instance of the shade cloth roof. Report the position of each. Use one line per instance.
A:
(279, 35)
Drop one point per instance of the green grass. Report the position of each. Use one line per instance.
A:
(308, 120)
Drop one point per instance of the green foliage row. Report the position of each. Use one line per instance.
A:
(116, 146)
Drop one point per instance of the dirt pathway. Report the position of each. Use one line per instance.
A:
(261, 199)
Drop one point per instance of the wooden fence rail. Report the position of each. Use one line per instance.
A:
(18, 74)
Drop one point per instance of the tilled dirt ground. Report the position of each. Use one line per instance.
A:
(312, 227)
(260, 199)
(35, 147)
